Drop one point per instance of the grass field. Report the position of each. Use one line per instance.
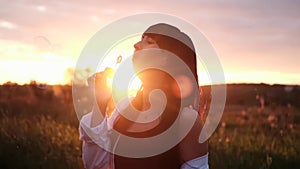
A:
(43, 133)
(255, 138)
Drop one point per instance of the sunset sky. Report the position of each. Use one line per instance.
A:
(256, 41)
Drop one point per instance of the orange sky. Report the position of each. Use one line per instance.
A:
(256, 41)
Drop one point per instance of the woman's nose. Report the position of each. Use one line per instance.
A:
(137, 45)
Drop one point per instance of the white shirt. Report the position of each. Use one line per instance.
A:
(94, 151)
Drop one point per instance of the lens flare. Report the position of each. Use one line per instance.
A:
(185, 87)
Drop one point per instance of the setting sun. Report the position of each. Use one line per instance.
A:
(51, 72)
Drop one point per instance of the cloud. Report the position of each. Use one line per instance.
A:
(7, 25)
(41, 8)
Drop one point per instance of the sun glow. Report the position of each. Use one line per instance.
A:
(121, 53)
(51, 72)
(124, 90)
(134, 86)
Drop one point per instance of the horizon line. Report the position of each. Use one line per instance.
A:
(34, 82)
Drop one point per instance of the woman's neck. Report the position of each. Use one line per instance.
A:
(147, 89)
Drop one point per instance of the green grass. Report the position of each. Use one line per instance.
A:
(256, 139)
(40, 142)
(241, 141)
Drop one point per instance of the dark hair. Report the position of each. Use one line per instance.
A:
(173, 40)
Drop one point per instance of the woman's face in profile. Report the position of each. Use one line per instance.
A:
(146, 42)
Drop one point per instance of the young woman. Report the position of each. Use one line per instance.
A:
(180, 90)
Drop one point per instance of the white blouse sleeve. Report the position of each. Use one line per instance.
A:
(197, 163)
(95, 141)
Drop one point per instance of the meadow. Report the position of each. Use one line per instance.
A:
(39, 129)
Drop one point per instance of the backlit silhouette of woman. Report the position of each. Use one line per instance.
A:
(181, 91)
